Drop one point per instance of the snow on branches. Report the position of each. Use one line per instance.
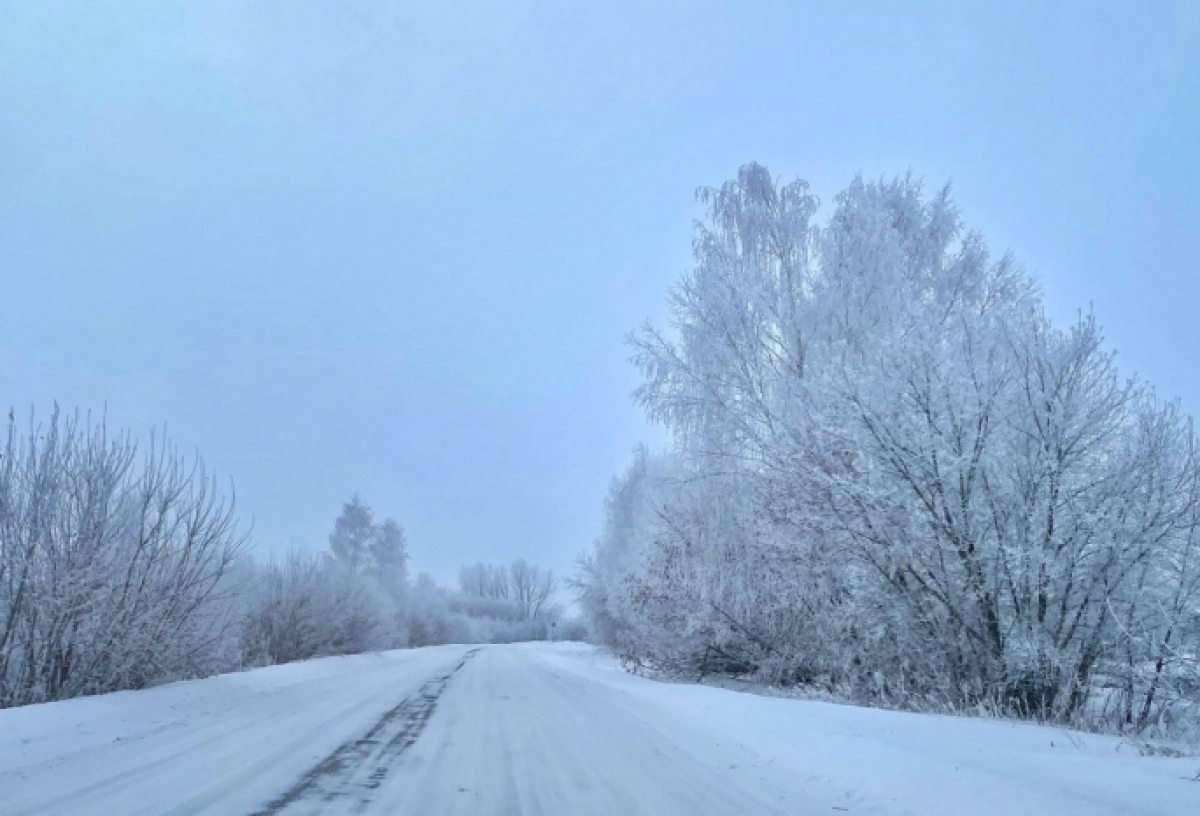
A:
(115, 563)
(892, 476)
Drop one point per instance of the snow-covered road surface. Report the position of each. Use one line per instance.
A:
(544, 729)
(225, 745)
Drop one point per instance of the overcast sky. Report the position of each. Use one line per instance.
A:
(394, 249)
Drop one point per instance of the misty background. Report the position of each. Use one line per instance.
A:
(395, 248)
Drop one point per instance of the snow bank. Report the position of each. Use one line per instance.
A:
(875, 761)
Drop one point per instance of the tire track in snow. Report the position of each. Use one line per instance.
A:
(351, 773)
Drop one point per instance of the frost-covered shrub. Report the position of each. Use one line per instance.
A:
(115, 564)
(310, 605)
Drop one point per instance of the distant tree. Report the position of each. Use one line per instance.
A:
(532, 588)
(488, 581)
(352, 539)
(376, 549)
(471, 579)
(389, 552)
(528, 588)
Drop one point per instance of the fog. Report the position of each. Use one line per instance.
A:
(396, 250)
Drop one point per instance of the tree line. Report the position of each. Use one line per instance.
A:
(892, 477)
(123, 565)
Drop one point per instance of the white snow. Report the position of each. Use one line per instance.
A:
(222, 745)
(875, 761)
(554, 729)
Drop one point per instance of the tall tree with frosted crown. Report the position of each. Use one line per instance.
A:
(891, 472)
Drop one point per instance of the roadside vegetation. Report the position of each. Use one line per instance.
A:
(123, 566)
(893, 478)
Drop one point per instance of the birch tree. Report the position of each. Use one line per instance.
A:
(891, 474)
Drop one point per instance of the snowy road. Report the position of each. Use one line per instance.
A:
(543, 729)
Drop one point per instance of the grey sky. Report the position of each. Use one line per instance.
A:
(395, 249)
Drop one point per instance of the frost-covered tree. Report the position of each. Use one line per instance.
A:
(488, 581)
(532, 587)
(525, 587)
(389, 552)
(377, 549)
(893, 476)
(353, 534)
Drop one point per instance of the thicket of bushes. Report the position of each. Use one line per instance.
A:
(122, 566)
